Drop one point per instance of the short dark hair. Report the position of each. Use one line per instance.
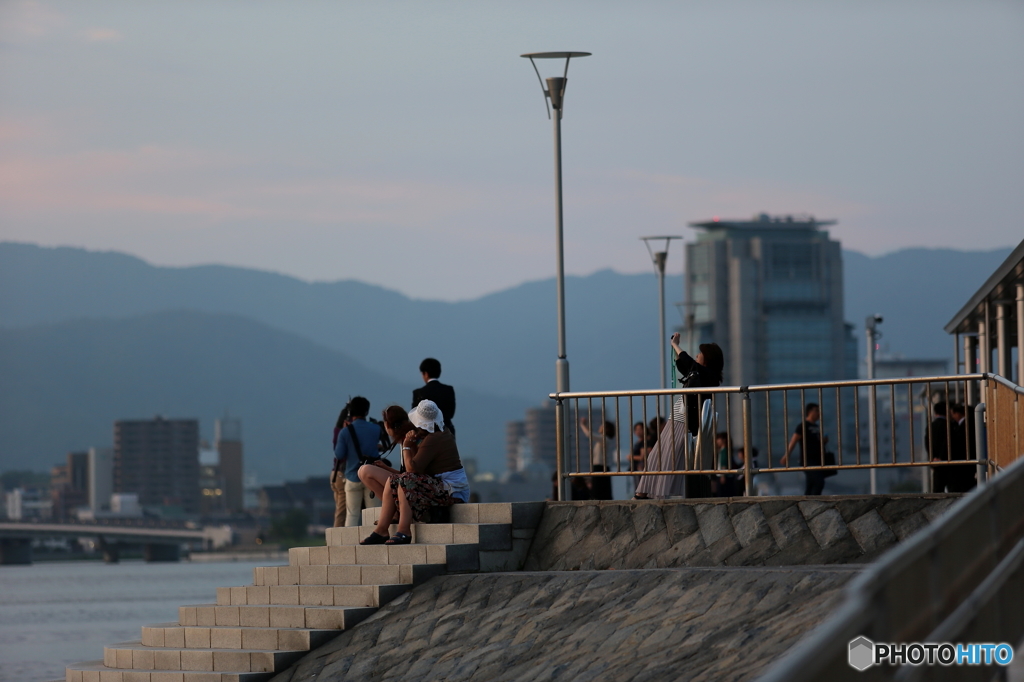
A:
(940, 408)
(359, 406)
(609, 430)
(958, 408)
(810, 406)
(431, 367)
(713, 359)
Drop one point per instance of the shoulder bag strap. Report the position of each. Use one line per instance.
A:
(355, 439)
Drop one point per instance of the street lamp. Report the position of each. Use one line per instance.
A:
(659, 258)
(873, 334)
(555, 94)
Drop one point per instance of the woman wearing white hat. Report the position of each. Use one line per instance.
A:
(433, 477)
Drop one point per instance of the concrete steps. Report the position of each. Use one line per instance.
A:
(254, 631)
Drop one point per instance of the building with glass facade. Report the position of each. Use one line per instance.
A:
(769, 291)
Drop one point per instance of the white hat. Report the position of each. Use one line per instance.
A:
(426, 415)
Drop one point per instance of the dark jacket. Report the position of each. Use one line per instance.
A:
(695, 375)
(936, 439)
(440, 394)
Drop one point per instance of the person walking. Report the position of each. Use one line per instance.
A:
(808, 435)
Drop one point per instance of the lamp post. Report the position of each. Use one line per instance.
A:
(659, 258)
(872, 334)
(554, 93)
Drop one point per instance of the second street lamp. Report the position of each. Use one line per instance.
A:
(659, 258)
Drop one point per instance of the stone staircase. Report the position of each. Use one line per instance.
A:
(254, 631)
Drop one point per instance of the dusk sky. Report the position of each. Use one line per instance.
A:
(406, 144)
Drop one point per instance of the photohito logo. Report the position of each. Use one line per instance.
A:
(863, 653)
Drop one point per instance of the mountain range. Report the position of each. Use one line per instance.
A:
(89, 337)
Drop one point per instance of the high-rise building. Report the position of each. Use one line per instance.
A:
(69, 485)
(159, 460)
(515, 435)
(769, 291)
(228, 442)
(101, 478)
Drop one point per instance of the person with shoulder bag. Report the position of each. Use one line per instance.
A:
(357, 444)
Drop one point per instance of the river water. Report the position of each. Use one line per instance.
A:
(56, 613)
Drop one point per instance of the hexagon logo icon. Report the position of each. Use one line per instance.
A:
(862, 653)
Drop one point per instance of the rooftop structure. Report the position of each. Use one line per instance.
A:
(993, 320)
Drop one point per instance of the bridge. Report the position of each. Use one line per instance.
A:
(159, 543)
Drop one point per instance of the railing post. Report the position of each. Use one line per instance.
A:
(981, 443)
(748, 484)
(560, 448)
(873, 436)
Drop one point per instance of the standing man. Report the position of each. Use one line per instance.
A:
(357, 442)
(935, 439)
(442, 395)
(338, 473)
(811, 447)
(960, 479)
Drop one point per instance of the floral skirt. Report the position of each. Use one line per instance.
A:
(423, 491)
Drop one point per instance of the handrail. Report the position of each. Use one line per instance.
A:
(846, 383)
(908, 418)
(870, 609)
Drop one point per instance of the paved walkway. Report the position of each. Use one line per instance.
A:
(636, 625)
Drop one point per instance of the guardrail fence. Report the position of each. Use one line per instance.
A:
(868, 424)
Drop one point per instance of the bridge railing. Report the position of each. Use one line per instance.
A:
(865, 424)
(960, 580)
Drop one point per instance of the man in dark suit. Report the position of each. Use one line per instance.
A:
(937, 442)
(960, 479)
(442, 395)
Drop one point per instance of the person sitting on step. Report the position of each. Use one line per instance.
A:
(375, 475)
(433, 477)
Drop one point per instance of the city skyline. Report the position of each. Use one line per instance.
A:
(298, 140)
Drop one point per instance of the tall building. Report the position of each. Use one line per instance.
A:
(515, 435)
(769, 291)
(533, 440)
(69, 485)
(101, 478)
(159, 460)
(228, 442)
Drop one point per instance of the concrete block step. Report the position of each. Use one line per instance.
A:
(455, 557)
(311, 595)
(506, 560)
(490, 536)
(95, 671)
(136, 656)
(259, 616)
(353, 574)
(519, 514)
(226, 637)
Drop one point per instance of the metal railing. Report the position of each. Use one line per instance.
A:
(769, 419)
(959, 580)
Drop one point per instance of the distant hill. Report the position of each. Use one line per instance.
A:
(86, 338)
(917, 291)
(502, 344)
(64, 384)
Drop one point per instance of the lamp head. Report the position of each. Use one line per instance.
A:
(555, 90)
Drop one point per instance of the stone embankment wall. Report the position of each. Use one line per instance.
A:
(769, 531)
(702, 590)
(638, 625)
